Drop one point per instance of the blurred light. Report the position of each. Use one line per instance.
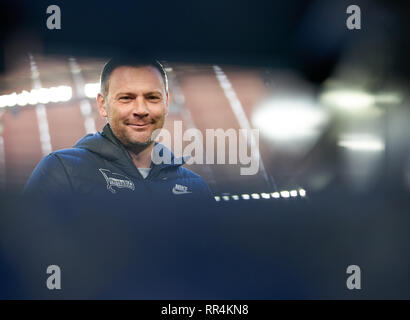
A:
(33, 97)
(361, 143)
(350, 100)
(245, 196)
(65, 93)
(43, 95)
(293, 193)
(284, 194)
(263, 195)
(389, 98)
(54, 94)
(8, 100)
(85, 107)
(23, 98)
(289, 118)
(92, 89)
(179, 98)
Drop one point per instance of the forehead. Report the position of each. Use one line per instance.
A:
(133, 79)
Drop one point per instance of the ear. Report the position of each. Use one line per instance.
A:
(101, 106)
(166, 103)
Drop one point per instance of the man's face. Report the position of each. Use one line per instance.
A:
(136, 104)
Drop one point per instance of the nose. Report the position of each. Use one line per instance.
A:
(140, 108)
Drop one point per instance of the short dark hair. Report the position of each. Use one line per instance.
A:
(117, 62)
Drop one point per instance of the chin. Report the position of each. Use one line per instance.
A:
(141, 142)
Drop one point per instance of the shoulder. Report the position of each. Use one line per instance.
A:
(70, 152)
(48, 176)
(55, 166)
(71, 156)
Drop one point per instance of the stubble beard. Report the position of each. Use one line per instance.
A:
(138, 146)
(133, 145)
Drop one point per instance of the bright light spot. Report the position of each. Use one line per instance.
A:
(12, 99)
(265, 195)
(255, 196)
(284, 194)
(91, 89)
(65, 93)
(2, 101)
(54, 94)
(302, 192)
(217, 198)
(235, 197)
(245, 197)
(293, 193)
(33, 97)
(361, 143)
(226, 198)
(389, 98)
(275, 195)
(351, 100)
(22, 98)
(43, 96)
(8, 100)
(290, 118)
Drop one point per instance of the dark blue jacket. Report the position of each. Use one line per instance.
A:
(100, 165)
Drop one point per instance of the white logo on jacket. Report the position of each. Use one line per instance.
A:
(180, 189)
(113, 180)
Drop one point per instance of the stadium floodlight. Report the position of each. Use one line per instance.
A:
(91, 89)
(8, 100)
(284, 119)
(284, 194)
(66, 93)
(35, 96)
(293, 193)
(23, 98)
(348, 99)
(357, 142)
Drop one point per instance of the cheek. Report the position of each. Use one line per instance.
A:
(118, 113)
(158, 111)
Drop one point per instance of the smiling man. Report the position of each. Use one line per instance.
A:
(134, 100)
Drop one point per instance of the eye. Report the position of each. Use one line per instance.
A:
(154, 98)
(125, 98)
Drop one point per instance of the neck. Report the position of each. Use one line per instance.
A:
(141, 156)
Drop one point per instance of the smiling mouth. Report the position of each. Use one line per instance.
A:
(139, 126)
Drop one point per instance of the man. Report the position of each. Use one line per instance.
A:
(134, 100)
